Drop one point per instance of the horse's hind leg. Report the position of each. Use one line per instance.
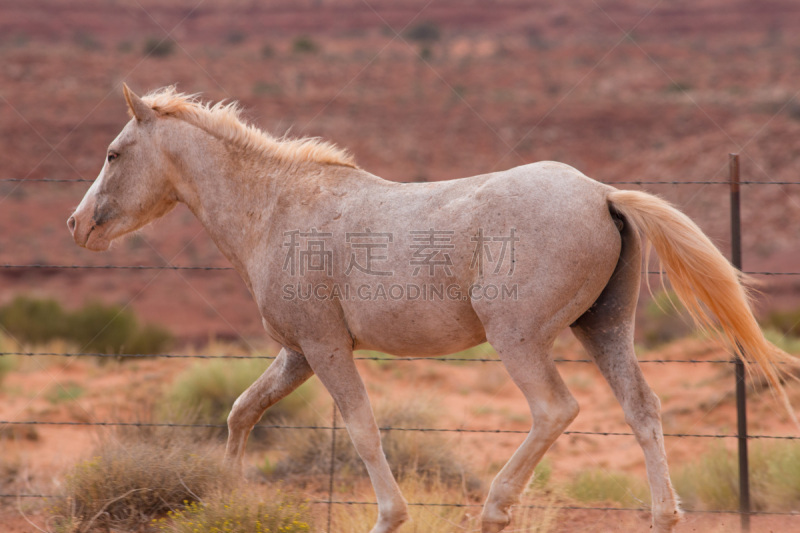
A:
(289, 370)
(552, 408)
(606, 331)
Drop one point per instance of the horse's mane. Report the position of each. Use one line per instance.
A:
(224, 121)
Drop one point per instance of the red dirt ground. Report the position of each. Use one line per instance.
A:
(696, 398)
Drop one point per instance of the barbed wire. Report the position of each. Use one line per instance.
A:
(479, 505)
(387, 358)
(382, 428)
(625, 182)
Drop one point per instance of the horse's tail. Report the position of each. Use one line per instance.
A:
(707, 284)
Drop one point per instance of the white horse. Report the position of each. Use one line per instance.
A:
(339, 260)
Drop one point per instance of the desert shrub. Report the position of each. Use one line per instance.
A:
(95, 327)
(235, 37)
(235, 513)
(267, 51)
(8, 363)
(112, 329)
(410, 454)
(264, 88)
(664, 320)
(602, 486)
(126, 484)
(787, 343)
(87, 40)
(155, 47)
(59, 392)
(304, 45)
(205, 394)
(426, 31)
(785, 322)
(712, 482)
(34, 320)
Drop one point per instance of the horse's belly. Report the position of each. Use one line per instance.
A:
(415, 328)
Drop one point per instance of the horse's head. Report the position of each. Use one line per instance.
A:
(133, 187)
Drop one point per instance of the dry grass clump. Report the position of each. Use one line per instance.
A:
(603, 486)
(424, 456)
(235, 513)
(713, 481)
(127, 483)
(537, 514)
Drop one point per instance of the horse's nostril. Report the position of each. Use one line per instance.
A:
(71, 224)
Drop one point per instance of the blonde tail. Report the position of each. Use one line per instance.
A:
(704, 281)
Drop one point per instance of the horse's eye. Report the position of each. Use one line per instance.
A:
(112, 156)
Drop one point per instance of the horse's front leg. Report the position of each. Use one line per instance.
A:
(289, 370)
(336, 369)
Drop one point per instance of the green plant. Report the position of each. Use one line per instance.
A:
(785, 322)
(234, 513)
(304, 45)
(602, 486)
(235, 37)
(155, 47)
(94, 328)
(87, 40)
(267, 51)
(712, 482)
(426, 31)
(126, 484)
(664, 320)
(787, 343)
(8, 363)
(34, 320)
(59, 393)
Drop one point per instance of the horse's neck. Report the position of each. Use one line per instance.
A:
(232, 202)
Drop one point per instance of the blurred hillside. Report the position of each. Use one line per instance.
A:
(417, 90)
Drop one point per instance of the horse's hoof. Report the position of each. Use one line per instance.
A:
(390, 524)
(495, 521)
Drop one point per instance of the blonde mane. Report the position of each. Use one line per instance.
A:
(224, 121)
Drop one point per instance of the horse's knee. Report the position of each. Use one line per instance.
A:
(242, 416)
(569, 410)
(557, 416)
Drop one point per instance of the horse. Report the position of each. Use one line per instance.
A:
(338, 260)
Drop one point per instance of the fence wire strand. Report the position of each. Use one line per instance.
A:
(479, 505)
(627, 182)
(381, 428)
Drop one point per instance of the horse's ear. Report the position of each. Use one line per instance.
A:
(136, 107)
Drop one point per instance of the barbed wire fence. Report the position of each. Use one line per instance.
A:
(741, 434)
